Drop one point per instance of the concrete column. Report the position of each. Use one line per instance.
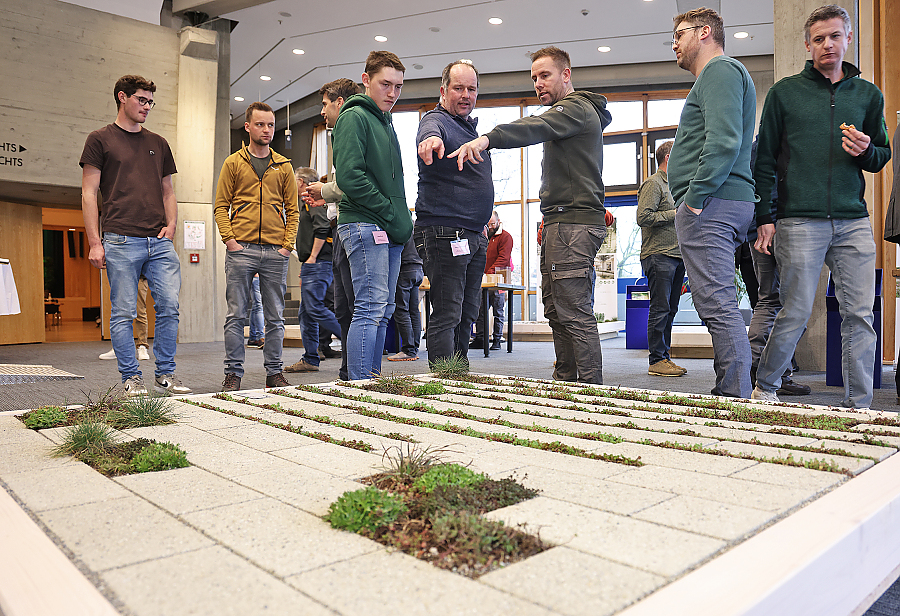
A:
(199, 77)
(790, 57)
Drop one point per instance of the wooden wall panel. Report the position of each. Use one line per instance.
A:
(21, 241)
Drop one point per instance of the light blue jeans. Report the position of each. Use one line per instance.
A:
(847, 247)
(240, 266)
(374, 269)
(708, 241)
(257, 323)
(126, 259)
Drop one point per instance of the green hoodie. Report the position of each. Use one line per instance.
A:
(800, 138)
(368, 169)
(572, 133)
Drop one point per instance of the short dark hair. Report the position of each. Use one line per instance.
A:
(129, 84)
(663, 150)
(377, 60)
(704, 17)
(307, 174)
(257, 106)
(339, 88)
(445, 74)
(560, 57)
(824, 13)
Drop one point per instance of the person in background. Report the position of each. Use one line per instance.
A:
(406, 314)
(257, 324)
(140, 325)
(498, 257)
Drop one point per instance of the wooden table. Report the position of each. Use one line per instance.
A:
(485, 288)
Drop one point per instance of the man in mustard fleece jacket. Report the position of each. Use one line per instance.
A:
(256, 212)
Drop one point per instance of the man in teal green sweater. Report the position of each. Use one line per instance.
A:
(821, 129)
(711, 184)
(373, 220)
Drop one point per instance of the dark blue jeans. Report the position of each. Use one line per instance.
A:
(315, 278)
(455, 287)
(664, 277)
(406, 312)
(343, 299)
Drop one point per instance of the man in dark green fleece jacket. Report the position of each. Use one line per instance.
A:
(711, 184)
(571, 202)
(373, 220)
(820, 130)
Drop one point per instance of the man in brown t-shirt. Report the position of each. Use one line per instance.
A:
(132, 169)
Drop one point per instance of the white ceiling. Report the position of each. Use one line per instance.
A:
(337, 35)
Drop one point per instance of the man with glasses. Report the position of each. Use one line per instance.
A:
(132, 168)
(257, 215)
(452, 209)
(711, 184)
(820, 129)
(572, 197)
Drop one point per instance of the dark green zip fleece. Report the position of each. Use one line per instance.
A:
(572, 134)
(368, 169)
(800, 137)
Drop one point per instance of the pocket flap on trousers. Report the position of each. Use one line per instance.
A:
(581, 272)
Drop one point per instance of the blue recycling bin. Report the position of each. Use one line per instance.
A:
(833, 374)
(637, 312)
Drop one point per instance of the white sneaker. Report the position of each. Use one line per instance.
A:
(142, 353)
(110, 354)
(170, 384)
(134, 386)
(764, 396)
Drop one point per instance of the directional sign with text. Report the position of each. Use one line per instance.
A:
(11, 148)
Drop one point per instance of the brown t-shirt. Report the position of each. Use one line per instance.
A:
(132, 167)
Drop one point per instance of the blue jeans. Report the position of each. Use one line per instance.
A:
(708, 241)
(455, 294)
(257, 324)
(374, 269)
(768, 303)
(315, 278)
(665, 276)
(126, 259)
(240, 267)
(343, 299)
(847, 247)
(497, 303)
(406, 313)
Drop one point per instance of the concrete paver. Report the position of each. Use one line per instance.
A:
(346, 462)
(574, 583)
(306, 488)
(852, 465)
(28, 456)
(72, 484)
(706, 517)
(263, 438)
(790, 476)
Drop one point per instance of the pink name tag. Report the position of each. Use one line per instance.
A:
(459, 247)
(380, 237)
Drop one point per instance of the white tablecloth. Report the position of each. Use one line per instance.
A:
(9, 298)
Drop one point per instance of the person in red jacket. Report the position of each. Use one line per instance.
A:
(499, 256)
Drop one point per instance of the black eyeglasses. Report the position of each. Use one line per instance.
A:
(676, 36)
(144, 101)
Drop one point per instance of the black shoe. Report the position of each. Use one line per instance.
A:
(477, 343)
(328, 353)
(232, 382)
(790, 388)
(256, 343)
(277, 380)
(495, 345)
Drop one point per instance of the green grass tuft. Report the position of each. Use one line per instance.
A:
(141, 411)
(159, 457)
(453, 367)
(87, 440)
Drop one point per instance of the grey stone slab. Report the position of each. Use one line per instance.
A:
(232, 460)
(181, 434)
(208, 419)
(13, 431)
(790, 476)
(278, 537)
(264, 438)
(183, 490)
(763, 452)
(574, 583)
(121, 532)
(306, 488)
(72, 484)
(334, 459)
(706, 517)
(680, 459)
(27, 456)
(517, 455)
(389, 584)
(590, 491)
(763, 496)
(857, 449)
(644, 545)
(207, 581)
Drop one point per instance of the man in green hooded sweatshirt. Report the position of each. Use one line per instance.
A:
(373, 220)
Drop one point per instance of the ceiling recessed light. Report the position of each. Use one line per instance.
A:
(381, 39)
(496, 21)
(299, 52)
(603, 49)
(741, 34)
(435, 29)
(265, 78)
(284, 14)
(418, 67)
(239, 99)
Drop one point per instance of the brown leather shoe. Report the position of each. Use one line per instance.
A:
(232, 382)
(301, 366)
(277, 380)
(664, 368)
